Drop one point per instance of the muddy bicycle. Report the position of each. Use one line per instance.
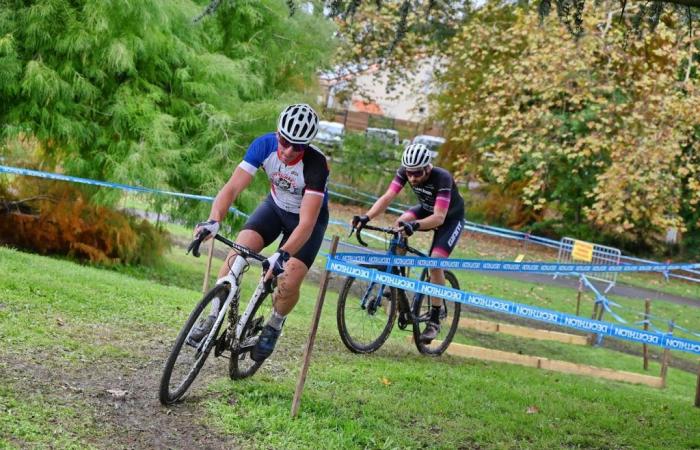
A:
(367, 310)
(234, 340)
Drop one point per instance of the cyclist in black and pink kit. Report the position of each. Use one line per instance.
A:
(440, 208)
(297, 208)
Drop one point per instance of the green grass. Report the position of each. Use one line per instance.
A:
(30, 417)
(394, 398)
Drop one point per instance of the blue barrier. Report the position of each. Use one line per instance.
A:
(488, 229)
(124, 187)
(663, 340)
(499, 266)
(546, 242)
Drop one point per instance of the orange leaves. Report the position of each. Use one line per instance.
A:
(64, 223)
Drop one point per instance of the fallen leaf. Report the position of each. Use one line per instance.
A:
(532, 409)
(59, 321)
(118, 394)
(386, 381)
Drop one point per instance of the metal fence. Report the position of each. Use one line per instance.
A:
(573, 251)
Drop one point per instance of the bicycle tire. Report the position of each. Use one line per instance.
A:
(167, 395)
(449, 316)
(241, 365)
(362, 329)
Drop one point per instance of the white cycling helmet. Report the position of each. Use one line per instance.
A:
(298, 124)
(416, 156)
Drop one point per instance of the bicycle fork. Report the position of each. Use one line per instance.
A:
(371, 303)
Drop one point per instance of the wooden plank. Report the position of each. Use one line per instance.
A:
(469, 351)
(479, 325)
(515, 330)
(600, 372)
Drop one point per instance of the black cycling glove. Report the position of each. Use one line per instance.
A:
(409, 227)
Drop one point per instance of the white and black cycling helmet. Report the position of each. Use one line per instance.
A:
(416, 156)
(298, 124)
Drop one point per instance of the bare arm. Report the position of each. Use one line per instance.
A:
(381, 204)
(434, 220)
(240, 179)
(308, 213)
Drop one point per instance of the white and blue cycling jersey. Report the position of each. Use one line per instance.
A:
(307, 174)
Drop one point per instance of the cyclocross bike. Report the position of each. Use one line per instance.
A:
(367, 310)
(237, 338)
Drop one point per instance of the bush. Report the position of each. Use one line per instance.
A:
(61, 221)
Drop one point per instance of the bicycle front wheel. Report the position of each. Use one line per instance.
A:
(187, 358)
(365, 314)
(241, 365)
(449, 318)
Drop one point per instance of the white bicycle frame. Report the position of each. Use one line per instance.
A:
(233, 278)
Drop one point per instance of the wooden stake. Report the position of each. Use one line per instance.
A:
(665, 358)
(312, 334)
(697, 389)
(578, 296)
(593, 316)
(205, 286)
(645, 349)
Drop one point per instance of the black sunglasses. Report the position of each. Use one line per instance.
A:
(286, 144)
(415, 173)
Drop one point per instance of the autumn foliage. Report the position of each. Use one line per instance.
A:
(600, 132)
(55, 218)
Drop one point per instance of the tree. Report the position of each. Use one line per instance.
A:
(134, 92)
(598, 131)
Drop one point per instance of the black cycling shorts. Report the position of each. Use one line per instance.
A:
(445, 236)
(269, 221)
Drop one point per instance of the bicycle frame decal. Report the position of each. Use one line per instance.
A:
(665, 340)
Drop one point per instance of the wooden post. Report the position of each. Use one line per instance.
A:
(697, 389)
(645, 349)
(312, 334)
(578, 296)
(593, 316)
(665, 358)
(205, 285)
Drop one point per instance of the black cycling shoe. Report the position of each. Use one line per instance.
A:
(266, 344)
(200, 330)
(430, 332)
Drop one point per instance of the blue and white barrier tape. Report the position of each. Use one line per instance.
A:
(503, 306)
(498, 266)
(125, 187)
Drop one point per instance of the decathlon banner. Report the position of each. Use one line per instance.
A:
(498, 266)
(529, 312)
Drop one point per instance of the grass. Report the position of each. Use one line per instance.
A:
(394, 398)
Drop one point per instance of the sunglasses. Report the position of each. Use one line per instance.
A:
(286, 144)
(415, 173)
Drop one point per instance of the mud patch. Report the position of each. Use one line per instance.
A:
(121, 400)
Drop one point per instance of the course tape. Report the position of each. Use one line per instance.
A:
(125, 187)
(497, 266)
(665, 340)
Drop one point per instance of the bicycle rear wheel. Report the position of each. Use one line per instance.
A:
(449, 317)
(365, 318)
(241, 365)
(185, 361)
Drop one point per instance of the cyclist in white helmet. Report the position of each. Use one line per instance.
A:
(296, 208)
(440, 209)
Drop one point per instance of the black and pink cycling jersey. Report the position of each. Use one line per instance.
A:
(439, 190)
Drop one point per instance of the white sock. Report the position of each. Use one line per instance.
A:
(276, 320)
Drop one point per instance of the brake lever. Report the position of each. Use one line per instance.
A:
(194, 245)
(359, 236)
